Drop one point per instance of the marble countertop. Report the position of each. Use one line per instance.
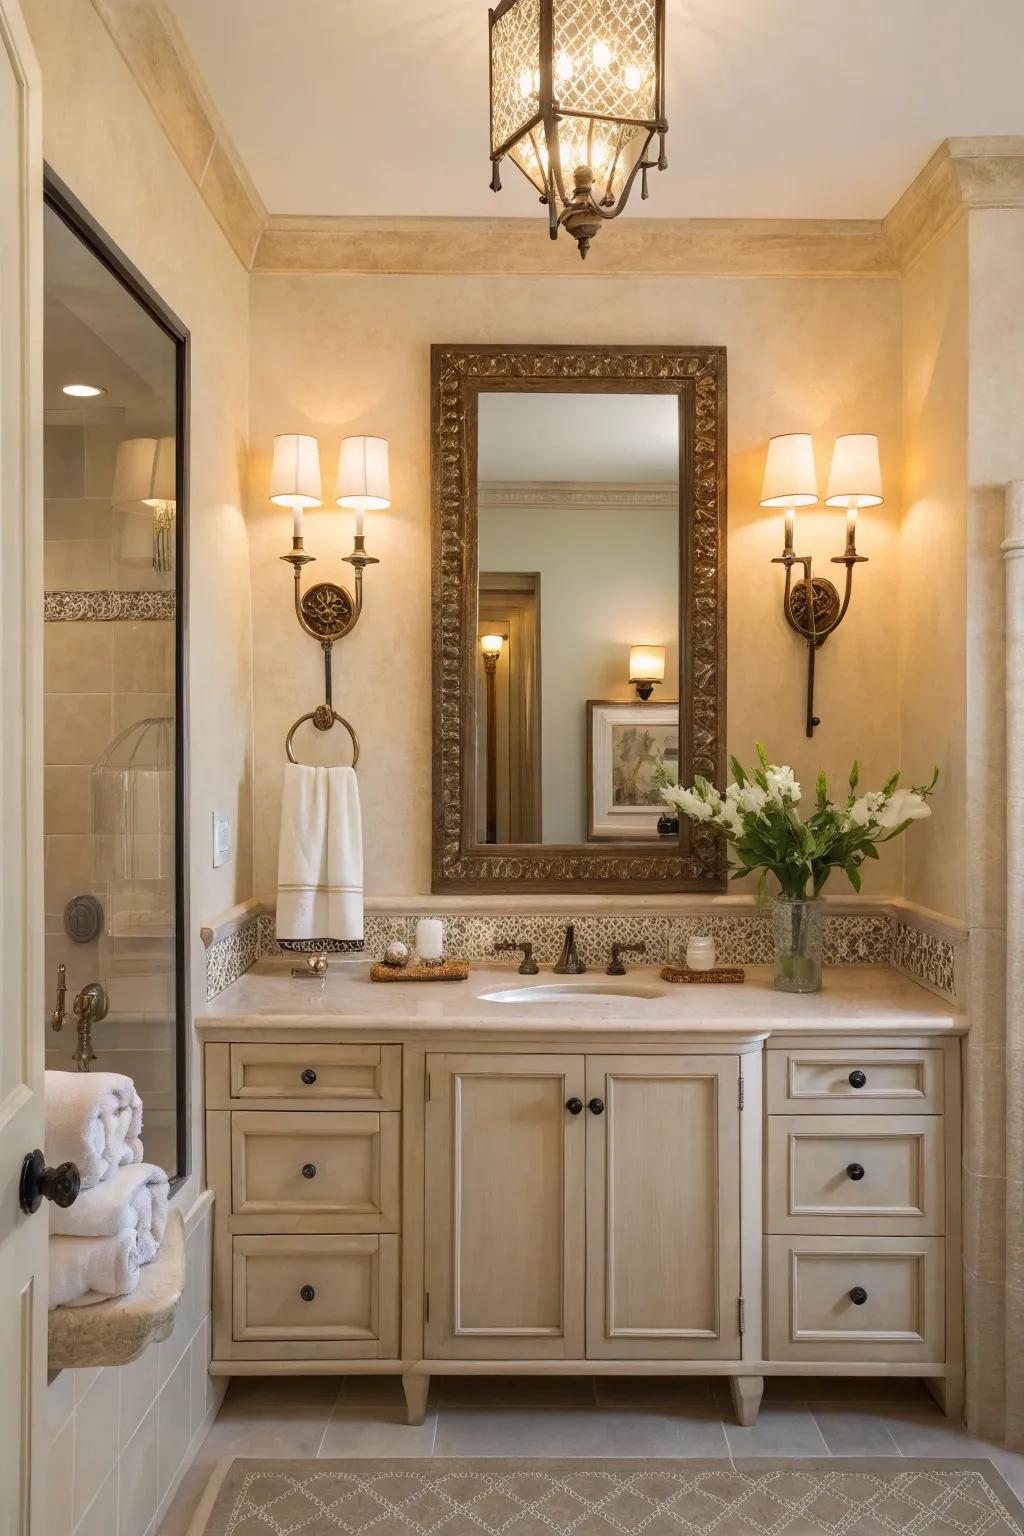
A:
(874, 1000)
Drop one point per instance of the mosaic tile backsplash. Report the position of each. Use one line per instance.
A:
(741, 938)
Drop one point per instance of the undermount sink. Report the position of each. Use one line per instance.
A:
(566, 992)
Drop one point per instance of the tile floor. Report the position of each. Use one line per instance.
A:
(571, 1416)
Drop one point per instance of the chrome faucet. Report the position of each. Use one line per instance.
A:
(89, 1007)
(569, 962)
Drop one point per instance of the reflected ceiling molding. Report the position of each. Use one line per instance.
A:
(151, 44)
(562, 495)
(963, 174)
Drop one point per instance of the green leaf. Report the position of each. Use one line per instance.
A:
(852, 874)
(822, 790)
(738, 771)
(890, 783)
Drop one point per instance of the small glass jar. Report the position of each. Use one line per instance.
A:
(700, 952)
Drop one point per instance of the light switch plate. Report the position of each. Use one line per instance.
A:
(221, 838)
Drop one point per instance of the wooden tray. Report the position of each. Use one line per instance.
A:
(718, 974)
(448, 970)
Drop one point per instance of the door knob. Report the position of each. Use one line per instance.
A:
(858, 1295)
(39, 1183)
(857, 1078)
(855, 1171)
(596, 1106)
(574, 1106)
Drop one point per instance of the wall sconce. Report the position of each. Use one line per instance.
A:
(490, 648)
(646, 668)
(145, 474)
(812, 605)
(328, 611)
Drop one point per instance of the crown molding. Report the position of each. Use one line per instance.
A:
(562, 495)
(964, 174)
(149, 40)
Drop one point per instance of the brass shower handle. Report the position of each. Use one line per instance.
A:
(58, 1015)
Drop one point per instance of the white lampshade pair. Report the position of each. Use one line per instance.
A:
(363, 478)
(855, 478)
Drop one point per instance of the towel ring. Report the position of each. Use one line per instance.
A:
(323, 718)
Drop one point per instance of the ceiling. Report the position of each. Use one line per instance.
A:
(777, 108)
(601, 439)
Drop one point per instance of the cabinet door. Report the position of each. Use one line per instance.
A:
(663, 1195)
(504, 1208)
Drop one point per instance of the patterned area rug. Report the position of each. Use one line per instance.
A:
(865, 1496)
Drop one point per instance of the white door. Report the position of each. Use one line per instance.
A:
(23, 1279)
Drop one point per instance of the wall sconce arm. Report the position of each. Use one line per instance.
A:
(814, 610)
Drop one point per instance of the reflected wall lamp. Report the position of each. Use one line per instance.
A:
(327, 611)
(490, 649)
(646, 668)
(812, 605)
(145, 474)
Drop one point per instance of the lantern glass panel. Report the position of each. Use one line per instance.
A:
(515, 70)
(605, 57)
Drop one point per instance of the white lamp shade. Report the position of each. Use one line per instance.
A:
(363, 478)
(855, 479)
(491, 644)
(133, 471)
(789, 479)
(647, 663)
(295, 476)
(163, 483)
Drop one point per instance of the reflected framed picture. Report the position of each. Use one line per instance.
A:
(626, 742)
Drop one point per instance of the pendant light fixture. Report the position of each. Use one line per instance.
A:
(577, 99)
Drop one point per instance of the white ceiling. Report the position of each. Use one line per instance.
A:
(602, 439)
(777, 108)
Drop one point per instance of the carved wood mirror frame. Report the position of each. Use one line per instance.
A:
(696, 376)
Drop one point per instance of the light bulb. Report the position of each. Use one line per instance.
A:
(564, 67)
(525, 83)
(599, 154)
(602, 55)
(632, 78)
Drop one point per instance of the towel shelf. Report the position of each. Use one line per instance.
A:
(323, 717)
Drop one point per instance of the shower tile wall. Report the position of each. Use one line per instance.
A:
(99, 679)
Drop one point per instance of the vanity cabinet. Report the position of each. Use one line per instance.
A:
(582, 1207)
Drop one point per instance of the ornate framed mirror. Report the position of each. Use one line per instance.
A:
(578, 571)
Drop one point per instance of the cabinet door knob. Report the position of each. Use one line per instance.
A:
(858, 1295)
(855, 1171)
(574, 1106)
(596, 1106)
(857, 1078)
(309, 1077)
(307, 1293)
(309, 1171)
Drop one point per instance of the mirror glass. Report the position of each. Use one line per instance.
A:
(578, 567)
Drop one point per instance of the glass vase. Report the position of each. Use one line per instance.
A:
(797, 928)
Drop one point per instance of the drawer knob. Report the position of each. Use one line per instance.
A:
(307, 1293)
(855, 1171)
(596, 1106)
(574, 1106)
(309, 1171)
(857, 1078)
(309, 1077)
(858, 1295)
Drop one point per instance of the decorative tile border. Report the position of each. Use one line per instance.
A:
(105, 607)
(741, 938)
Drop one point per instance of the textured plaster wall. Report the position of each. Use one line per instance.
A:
(334, 355)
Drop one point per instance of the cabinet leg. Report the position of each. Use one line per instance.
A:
(746, 1398)
(948, 1392)
(416, 1389)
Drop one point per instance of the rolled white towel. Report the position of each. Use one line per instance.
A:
(94, 1120)
(134, 1199)
(84, 1270)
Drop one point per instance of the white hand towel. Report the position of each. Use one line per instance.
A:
(320, 856)
(94, 1120)
(133, 1199)
(88, 1269)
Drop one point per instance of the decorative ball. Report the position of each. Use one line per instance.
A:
(396, 954)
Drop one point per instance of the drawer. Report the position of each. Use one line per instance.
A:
(815, 1283)
(852, 1082)
(881, 1174)
(340, 1169)
(339, 1289)
(314, 1076)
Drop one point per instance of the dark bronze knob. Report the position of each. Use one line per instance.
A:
(39, 1183)
(596, 1106)
(855, 1171)
(574, 1106)
(309, 1077)
(307, 1293)
(858, 1295)
(309, 1171)
(857, 1078)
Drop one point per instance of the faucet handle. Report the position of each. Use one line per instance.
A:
(616, 967)
(528, 965)
(91, 1004)
(58, 1015)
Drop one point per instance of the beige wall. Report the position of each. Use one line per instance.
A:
(933, 549)
(333, 355)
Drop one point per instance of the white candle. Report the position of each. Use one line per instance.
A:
(430, 939)
(296, 521)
